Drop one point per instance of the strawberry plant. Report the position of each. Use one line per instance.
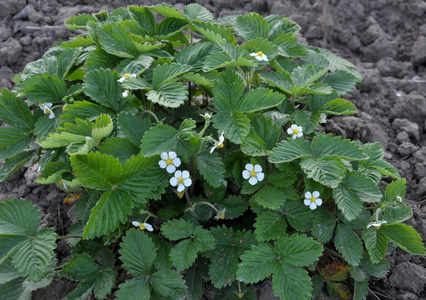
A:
(193, 152)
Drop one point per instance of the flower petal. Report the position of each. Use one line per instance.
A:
(316, 194)
(172, 155)
(307, 202)
(170, 169)
(253, 54)
(177, 161)
(173, 181)
(258, 168)
(162, 164)
(121, 80)
(249, 167)
(212, 149)
(148, 227)
(293, 137)
(312, 205)
(260, 176)
(185, 174)
(318, 202)
(180, 188)
(294, 126)
(136, 224)
(178, 174)
(289, 131)
(246, 174)
(300, 134)
(253, 180)
(164, 155)
(308, 195)
(187, 182)
(51, 115)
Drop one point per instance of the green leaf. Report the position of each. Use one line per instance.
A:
(325, 170)
(348, 244)
(45, 88)
(298, 250)
(263, 45)
(338, 63)
(299, 216)
(102, 127)
(339, 107)
(304, 76)
(257, 263)
(194, 55)
(251, 26)
(291, 282)
(235, 206)
(56, 140)
(96, 170)
(225, 256)
(79, 22)
(137, 252)
(352, 191)
(196, 12)
(15, 111)
(83, 110)
(133, 127)
(289, 150)
(99, 58)
(270, 197)
(279, 80)
(211, 167)
(34, 254)
(164, 138)
(235, 127)
(230, 56)
(168, 284)
(323, 225)
(405, 237)
(327, 145)
(361, 290)
(288, 47)
(171, 94)
(397, 214)
(167, 72)
(215, 33)
(112, 209)
(144, 18)
(102, 86)
(378, 270)
(120, 148)
(136, 289)
(18, 217)
(396, 189)
(343, 82)
(115, 39)
(12, 164)
(105, 281)
(194, 280)
(134, 66)
(376, 243)
(167, 10)
(227, 91)
(263, 137)
(270, 225)
(258, 99)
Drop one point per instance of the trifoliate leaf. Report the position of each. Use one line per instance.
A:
(134, 66)
(339, 107)
(211, 167)
(137, 252)
(376, 243)
(279, 80)
(258, 99)
(342, 81)
(288, 47)
(405, 237)
(112, 209)
(167, 10)
(348, 244)
(270, 225)
(224, 258)
(215, 33)
(144, 18)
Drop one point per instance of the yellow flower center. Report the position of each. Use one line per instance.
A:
(127, 75)
(219, 145)
(260, 53)
(180, 195)
(240, 295)
(169, 161)
(295, 131)
(377, 227)
(313, 199)
(142, 227)
(46, 110)
(253, 173)
(180, 180)
(222, 217)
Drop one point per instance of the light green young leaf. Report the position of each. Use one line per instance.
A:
(137, 252)
(348, 244)
(270, 225)
(171, 94)
(289, 150)
(102, 86)
(225, 256)
(96, 170)
(251, 26)
(45, 88)
(102, 127)
(168, 284)
(136, 289)
(376, 243)
(79, 22)
(112, 209)
(405, 237)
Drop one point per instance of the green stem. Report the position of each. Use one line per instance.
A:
(152, 114)
(70, 237)
(191, 207)
(209, 204)
(206, 125)
(244, 76)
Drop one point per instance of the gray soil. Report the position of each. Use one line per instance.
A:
(385, 39)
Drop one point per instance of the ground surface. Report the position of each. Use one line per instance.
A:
(385, 39)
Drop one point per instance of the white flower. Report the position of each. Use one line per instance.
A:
(127, 75)
(143, 226)
(323, 118)
(312, 200)
(169, 161)
(296, 131)
(253, 173)
(376, 224)
(46, 109)
(219, 143)
(125, 94)
(259, 56)
(181, 180)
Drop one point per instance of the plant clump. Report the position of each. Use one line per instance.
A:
(194, 159)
